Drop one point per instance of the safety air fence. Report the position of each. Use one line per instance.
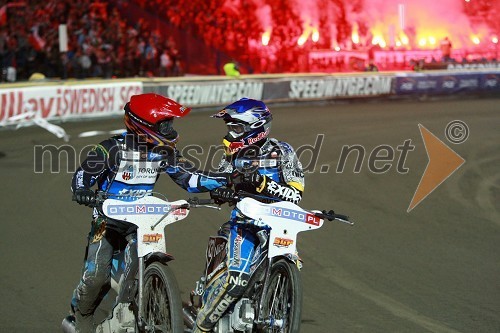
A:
(37, 102)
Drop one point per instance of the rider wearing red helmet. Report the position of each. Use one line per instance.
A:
(151, 116)
(126, 167)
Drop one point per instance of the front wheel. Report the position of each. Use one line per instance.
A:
(162, 305)
(282, 304)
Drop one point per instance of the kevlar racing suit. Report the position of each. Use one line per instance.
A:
(124, 170)
(284, 180)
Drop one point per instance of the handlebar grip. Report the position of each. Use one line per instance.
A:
(330, 215)
(342, 217)
(198, 201)
(205, 201)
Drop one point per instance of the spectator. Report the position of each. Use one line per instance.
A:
(165, 63)
(151, 56)
(177, 69)
(446, 49)
(231, 69)
(85, 64)
(9, 72)
(418, 65)
(371, 67)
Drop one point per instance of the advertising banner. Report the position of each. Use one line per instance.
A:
(64, 101)
(22, 105)
(446, 83)
(294, 88)
(340, 87)
(208, 93)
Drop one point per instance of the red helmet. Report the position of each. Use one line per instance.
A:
(151, 116)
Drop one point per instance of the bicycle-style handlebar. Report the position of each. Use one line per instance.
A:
(330, 215)
(195, 202)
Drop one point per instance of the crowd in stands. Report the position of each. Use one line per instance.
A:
(100, 43)
(235, 27)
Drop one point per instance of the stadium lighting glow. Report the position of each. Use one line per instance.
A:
(494, 40)
(432, 40)
(475, 40)
(422, 42)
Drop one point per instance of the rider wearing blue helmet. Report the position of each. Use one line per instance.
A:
(273, 170)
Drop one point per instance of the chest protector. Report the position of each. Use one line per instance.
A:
(136, 174)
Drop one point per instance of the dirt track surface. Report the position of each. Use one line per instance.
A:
(435, 269)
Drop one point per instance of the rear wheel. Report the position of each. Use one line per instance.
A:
(162, 305)
(282, 304)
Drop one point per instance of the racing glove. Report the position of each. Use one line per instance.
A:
(84, 196)
(233, 178)
(255, 179)
(222, 194)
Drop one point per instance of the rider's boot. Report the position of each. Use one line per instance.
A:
(84, 323)
(196, 329)
(190, 310)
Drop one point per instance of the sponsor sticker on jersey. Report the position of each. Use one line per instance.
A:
(128, 172)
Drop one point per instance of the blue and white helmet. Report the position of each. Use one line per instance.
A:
(248, 122)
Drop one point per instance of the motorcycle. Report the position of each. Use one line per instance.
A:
(272, 301)
(144, 294)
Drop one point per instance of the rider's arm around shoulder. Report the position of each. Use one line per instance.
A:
(187, 176)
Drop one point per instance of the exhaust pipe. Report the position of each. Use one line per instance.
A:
(68, 325)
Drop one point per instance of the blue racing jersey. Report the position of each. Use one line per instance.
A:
(126, 170)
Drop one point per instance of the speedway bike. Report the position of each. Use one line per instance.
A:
(147, 300)
(272, 301)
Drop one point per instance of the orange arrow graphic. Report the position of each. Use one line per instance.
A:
(443, 161)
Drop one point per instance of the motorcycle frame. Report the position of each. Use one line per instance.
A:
(151, 215)
(271, 215)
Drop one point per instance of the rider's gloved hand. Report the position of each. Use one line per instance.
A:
(233, 178)
(222, 194)
(84, 196)
(254, 178)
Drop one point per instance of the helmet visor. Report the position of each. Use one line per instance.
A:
(166, 126)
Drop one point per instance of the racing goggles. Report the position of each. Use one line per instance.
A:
(237, 129)
(165, 127)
